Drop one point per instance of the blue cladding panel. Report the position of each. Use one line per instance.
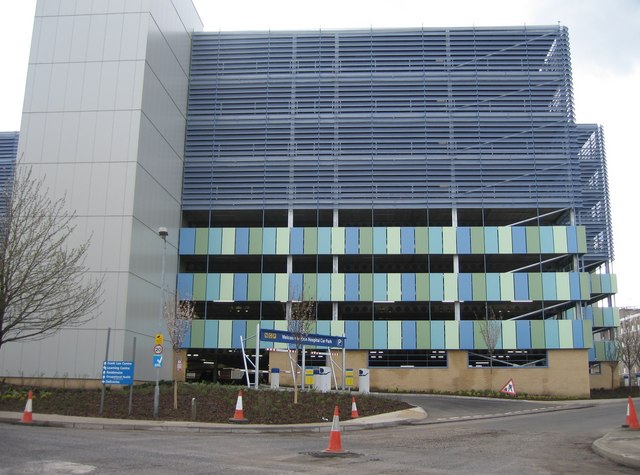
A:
(574, 285)
(519, 240)
(351, 288)
(408, 335)
(297, 241)
(578, 337)
(465, 289)
(238, 329)
(242, 241)
(352, 332)
(407, 240)
(552, 335)
(466, 335)
(463, 240)
(185, 286)
(187, 241)
(352, 237)
(295, 286)
(240, 287)
(572, 240)
(493, 287)
(521, 286)
(213, 287)
(324, 240)
(523, 334)
(408, 287)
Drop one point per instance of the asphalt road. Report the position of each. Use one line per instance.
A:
(555, 442)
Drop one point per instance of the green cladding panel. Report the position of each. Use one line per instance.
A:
(255, 241)
(477, 240)
(366, 335)
(202, 241)
(366, 287)
(450, 287)
(422, 240)
(505, 245)
(479, 286)
(537, 334)
(199, 287)
(337, 241)
(228, 241)
(393, 240)
(310, 240)
(366, 240)
(337, 287)
(533, 239)
(423, 335)
(282, 241)
(197, 334)
(422, 287)
(449, 240)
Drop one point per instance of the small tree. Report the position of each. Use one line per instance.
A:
(491, 329)
(303, 313)
(44, 283)
(628, 344)
(178, 315)
(612, 354)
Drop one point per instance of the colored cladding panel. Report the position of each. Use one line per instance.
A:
(280, 325)
(199, 286)
(422, 287)
(521, 285)
(296, 241)
(493, 287)
(408, 287)
(546, 240)
(393, 240)
(310, 285)
(422, 240)
(379, 241)
(213, 287)
(338, 240)
(549, 286)
(197, 334)
(574, 285)
(491, 240)
(505, 245)
(435, 240)
(211, 334)
(507, 287)
(238, 329)
(572, 239)
(268, 287)
(282, 241)
(311, 241)
(477, 240)
(228, 241)
(337, 328)
(538, 334)
(394, 287)
(451, 335)
(408, 241)
(465, 292)
(423, 335)
(436, 286)
(215, 241)
(582, 239)
(242, 241)
(450, 287)
(187, 241)
(463, 240)
(366, 240)
(552, 334)
(563, 286)
(324, 288)
(533, 239)
(352, 287)
(366, 287)
(337, 287)
(351, 240)
(324, 241)
(240, 282)
(596, 284)
(323, 327)
(479, 285)
(437, 335)
(560, 239)
(466, 335)
(565, 333)
(535, 285)
(523, 334)
(509, 335)
(409, 335)
(352, 332)
(253, 293)
(606, 283)
(585, 285)
(449, 240)
(380, 287)
(202, 241)
(269, 241)
(587, 333)
(225, 332)
(226, 287)
(296, 289)
(394, 335)
(366, 335)
(282, 287)
(479, 339)
(607, 314)
(519, 240)
(255, 241)
(185, 286)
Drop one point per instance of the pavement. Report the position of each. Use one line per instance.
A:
(621, 445)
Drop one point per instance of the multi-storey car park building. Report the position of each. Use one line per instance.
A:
(411, 183)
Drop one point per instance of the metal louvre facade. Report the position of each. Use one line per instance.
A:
(426, 117)
(8, 153)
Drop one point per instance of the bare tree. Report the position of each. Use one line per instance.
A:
(491, 329)
(178, 315)
(628, 343)
(303, 313)
(612, 354)
(44, 283)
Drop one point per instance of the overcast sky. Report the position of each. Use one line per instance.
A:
(605, 48)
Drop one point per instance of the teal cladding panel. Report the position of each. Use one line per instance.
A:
(213, 287)
(324, 241)
(493, 287)
(268, 287)
(551, 334)
(215, 241)
(546, 240)
(324, 288)
(436, 286)
(379, 240)
(491, 240)
(435, 240)
(549, 286)
(380, 287)
(437, 335)
(269, 241)
(210, 334)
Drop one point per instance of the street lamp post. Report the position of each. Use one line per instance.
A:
(163, 233)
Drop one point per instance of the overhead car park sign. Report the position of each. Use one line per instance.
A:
(280, 336)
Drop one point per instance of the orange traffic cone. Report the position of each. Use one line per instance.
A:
(632, 418)
(354, 408)
(335, 442)
(238, 416)
(27, 415)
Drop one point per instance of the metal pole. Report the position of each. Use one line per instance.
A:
(257, 376)
(344, 365)
(106, 358)
(304, 366)
(133, 359)
(162, 232)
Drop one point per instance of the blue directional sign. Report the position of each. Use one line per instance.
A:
(157, 361)
(117, 372)
(281, 336)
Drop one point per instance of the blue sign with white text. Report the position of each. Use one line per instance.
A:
(117, 372)
(280, 336)
(157, 361)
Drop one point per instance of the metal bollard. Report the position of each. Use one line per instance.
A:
(193, 409)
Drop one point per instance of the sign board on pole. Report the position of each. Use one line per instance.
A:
(157, 349)
(157, 361)
(280, 336)
(509, 388)
(159, 339)
(117, 372)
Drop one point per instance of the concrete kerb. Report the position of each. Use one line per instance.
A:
(621, 446)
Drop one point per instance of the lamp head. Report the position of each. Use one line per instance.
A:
(162, 232)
